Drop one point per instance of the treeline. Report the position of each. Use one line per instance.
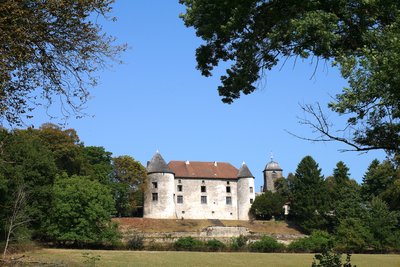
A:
(55, 189)
(354, 217)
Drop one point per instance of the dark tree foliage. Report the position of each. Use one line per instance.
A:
(49, 52)
(309, 203)
(378, 178)
(344, 196)
(361, 37)
(267, 205)
(27, 161)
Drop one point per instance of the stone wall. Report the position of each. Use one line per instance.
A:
(224, 234)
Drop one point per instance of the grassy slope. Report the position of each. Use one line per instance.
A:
(156, 225)
(147, 258)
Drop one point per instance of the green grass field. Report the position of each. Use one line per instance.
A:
(172, 258)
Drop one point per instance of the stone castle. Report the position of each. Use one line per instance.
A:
(202, 190)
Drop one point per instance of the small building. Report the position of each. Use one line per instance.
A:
(197, 190)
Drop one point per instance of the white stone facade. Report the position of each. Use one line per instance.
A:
(168, 195)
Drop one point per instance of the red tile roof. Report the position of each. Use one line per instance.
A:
(197, 169)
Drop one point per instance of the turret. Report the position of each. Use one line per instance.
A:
(271, 172)
(159, 194)
(246, 193)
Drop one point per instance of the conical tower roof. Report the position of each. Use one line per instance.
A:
(244, 172)
(157, 165)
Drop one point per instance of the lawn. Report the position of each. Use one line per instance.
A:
(171, 258)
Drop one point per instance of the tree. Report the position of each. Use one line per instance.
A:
(353, 235)
(309, 204)
(49, 51)
(377, 179)
(267, 205)
(26, 160)
(81, 212)
(18, 217)
(129, 177)
(381, 222)
(65, 145)
(344, 196)
(96, 163)
(361, 37)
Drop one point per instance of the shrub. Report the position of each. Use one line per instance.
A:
(316, 242)
(238, 243)
(135, 242)
(330, 258)
(267, 244)
(188, 244)
(215, 245)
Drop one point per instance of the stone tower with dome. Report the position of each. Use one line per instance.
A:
(272, 172)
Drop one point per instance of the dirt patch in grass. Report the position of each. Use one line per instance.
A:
(147, 225)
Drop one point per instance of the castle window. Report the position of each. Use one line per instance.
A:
(154, 184)
(203, 199)
(179, 181)
(228, 200)
(155, 196)
(179, 188)
(183, 212)
(203, 189)
(251, 189)
(228, 189)
(179, 199)
(202, 182)
(227, 182)
(251, 201)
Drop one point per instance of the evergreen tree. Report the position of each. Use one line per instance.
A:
(344, 196)
(309, 192)
(377, 179)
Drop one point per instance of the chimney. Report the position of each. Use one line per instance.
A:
(187, 162)
(215, 163)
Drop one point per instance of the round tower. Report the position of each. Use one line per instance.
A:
(159, 193)
(245, 192)
(271, 172)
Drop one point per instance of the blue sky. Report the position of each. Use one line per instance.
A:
(158, 100)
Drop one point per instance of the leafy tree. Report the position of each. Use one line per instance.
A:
(309, 205)
(97, 163)
(81, 212)
(65, 145)
(26, 160)
(361, 37)
(267, 205)
(49, 51)
(129, 177)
